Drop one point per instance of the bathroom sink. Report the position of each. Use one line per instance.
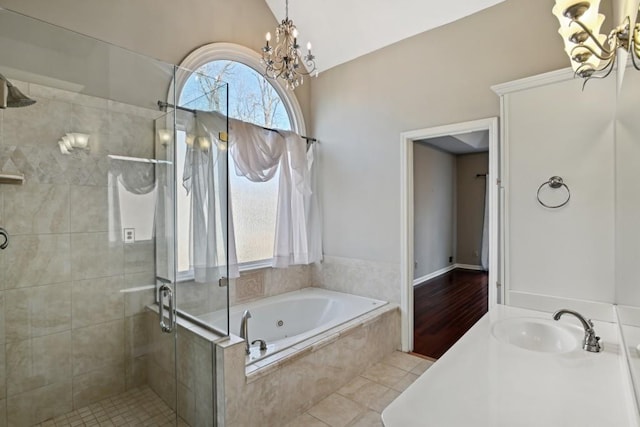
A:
(546, 336)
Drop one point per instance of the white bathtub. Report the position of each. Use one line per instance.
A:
(288, 319)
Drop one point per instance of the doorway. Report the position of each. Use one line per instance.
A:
(444, 254)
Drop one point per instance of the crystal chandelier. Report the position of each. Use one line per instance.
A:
(282, 60)
(593, 55)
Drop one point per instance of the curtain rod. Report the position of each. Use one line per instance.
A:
(163, 107)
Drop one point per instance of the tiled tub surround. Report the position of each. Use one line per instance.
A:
(202, 298)
(68, 335)
(285, 322)
(373, 279)
(499, 384)
(292, 383)
(275, 389)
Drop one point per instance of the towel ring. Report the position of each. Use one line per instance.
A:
(554, 182)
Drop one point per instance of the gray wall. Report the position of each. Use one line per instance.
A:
(434, 189)
(470, 202)
(438, 77)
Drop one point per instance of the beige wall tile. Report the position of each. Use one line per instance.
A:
(94, 122)
(89, 209)
(186, 356)
(39, 125)
(36, 208)
(137, 338)
(163, 383)
(97, 301)
(281, 280)
(139, 293)
(250, 286)
(139, 257)
(204, 383)
(3, 413)
(32, 260)
(37, 311)
(186, 404)
(103, 382)
(32, 407)
(2, 316)
(135, 372)
(39, 91)
(95, 256)
(97, 346)
(132, 135)
(3, 376)
(38, 362)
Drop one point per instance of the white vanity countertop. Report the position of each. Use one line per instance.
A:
(483, 382)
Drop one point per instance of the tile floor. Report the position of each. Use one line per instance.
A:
(357, 404)
(138, 407)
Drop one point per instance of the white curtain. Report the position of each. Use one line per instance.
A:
(257, 154)
(205, 176)
(484, 254)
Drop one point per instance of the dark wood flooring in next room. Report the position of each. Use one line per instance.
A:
(445, 308)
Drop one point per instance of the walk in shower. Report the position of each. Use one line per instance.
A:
(98, 234)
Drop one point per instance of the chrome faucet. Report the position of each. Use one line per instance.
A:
(244, 330)
(590, 342)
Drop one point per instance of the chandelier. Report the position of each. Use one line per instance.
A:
(282, 60)
(592, 54)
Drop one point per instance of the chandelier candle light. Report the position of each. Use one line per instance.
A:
(592, 54)
(282, 60)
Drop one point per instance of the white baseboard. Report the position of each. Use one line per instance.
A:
(470, 267)
(442, 271)
(433, 275)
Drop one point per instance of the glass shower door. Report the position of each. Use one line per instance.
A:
(192, 247)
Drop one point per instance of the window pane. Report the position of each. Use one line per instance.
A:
(252, 99)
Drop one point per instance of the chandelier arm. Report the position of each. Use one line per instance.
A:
(595, 40)
(609, 55)
(609, 68)
(634, 55)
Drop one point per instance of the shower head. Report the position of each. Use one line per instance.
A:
(11, 96)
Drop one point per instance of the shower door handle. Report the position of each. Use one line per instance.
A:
(166, 292)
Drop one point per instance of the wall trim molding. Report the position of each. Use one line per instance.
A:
(470, 267)
(407, 215)
(445, 270)
(433, 275)
(535, 81)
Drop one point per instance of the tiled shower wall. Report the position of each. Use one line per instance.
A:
(69, 336)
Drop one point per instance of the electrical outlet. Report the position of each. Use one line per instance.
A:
(450, 259)
(415, 264)
(129, 235)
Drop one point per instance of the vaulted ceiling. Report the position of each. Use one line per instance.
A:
(342, 30)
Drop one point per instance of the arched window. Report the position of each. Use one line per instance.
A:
(251, 98)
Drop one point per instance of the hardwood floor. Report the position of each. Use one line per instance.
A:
(445, 308)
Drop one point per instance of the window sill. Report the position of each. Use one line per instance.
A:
(188, 276)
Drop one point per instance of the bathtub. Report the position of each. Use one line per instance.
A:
(284, 321)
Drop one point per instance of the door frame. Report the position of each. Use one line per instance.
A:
(407, 212)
